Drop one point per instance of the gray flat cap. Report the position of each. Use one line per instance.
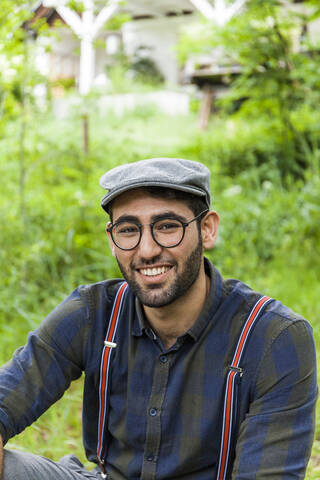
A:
(177, 173)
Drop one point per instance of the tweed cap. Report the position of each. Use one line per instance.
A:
(176, 173)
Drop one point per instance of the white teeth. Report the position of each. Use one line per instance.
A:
(154, 271)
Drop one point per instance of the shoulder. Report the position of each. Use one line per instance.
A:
(280, 345)
(81, 306)
(95, 293)
(280, 351)
(278, 329)
(276, 316)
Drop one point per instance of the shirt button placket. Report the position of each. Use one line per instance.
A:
(153, 424)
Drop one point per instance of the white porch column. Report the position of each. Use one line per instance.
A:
(87, 56)
(86, 28)
(87, 63)
(220, 11)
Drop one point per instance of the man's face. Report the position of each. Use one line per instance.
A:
(157, 275)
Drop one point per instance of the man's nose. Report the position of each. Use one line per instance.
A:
(148, 247)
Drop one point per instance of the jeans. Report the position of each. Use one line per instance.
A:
(26, 466)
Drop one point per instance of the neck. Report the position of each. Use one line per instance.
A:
(173, 320)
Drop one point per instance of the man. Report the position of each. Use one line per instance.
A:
(188, 376)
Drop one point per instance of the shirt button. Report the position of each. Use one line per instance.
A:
(150, 457)
(153, 412)
(163, 358)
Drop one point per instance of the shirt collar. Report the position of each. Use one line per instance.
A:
(140, 322)
(141, 325)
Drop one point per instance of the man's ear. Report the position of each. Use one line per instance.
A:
(112, 246)
(209, 229)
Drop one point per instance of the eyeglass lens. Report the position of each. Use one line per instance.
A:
(167, 232)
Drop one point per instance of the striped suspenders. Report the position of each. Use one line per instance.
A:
(109, 344)
(235, 373)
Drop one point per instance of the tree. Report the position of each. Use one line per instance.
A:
(280, 71)
(18, 77)
(12, 51)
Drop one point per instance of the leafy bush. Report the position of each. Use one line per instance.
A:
(138, 74)
(55, 240)
(269, 234)
(144, 69)
(278, 82)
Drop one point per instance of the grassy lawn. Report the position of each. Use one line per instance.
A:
(56, 242)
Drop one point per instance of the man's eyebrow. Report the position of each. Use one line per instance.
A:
(154, 218)
(168, 214)
(127, 218)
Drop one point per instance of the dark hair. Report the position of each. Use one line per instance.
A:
(195, 203)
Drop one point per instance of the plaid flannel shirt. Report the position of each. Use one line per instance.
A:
(165, 407)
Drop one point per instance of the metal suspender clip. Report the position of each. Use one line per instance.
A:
(236, 369)
(103, 472)
(110, 344)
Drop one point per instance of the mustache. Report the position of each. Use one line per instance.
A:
(143, 263)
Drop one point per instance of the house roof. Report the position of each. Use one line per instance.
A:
(49, 13)
(160, 8)
(137, 9)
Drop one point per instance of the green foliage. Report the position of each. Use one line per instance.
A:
(279, 80)
(116, 21)
(242, 144)
(17, 73)
(144, 69)
(136, 74)
(76, 5)
(52, 227)
(65, 83)
(195, 39)
(278, 74)
(269, 238)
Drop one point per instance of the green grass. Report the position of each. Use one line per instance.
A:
(269, 238)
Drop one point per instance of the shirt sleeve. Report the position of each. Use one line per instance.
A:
(276, 435)
(40, 372)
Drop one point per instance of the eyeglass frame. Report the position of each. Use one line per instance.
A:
(140, 225)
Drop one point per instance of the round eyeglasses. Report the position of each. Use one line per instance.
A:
(167, 232)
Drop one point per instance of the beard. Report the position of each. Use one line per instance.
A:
(156, 296)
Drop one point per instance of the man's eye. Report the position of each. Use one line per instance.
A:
(127, 229)
(167, 226)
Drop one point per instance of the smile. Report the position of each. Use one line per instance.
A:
(150, 272)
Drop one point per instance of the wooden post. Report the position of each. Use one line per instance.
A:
(85, 124)
(206, 106)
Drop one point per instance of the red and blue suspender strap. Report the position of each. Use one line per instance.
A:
(229, 399)
(104, 372)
